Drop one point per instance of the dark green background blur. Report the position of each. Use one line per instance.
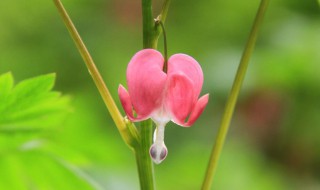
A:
(274, 138)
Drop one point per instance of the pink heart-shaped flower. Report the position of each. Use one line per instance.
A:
(163, 96)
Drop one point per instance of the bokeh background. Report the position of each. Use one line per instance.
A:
(274, 138)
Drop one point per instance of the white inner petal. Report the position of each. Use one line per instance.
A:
(161, 116)
(158, 150)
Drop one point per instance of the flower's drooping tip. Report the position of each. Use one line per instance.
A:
(158, 151)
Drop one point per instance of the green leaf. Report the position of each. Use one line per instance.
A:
(31, 104)
(34, 169)
(6, 84)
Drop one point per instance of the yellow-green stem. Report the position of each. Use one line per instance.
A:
(96, 76)
(229, 109)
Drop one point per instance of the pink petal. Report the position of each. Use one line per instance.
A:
(146, 81)
(180, 97)
(127, 105)
(190, 67)
(197, 110)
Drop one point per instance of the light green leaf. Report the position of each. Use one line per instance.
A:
(6, 84)
(30, 105)
(34, 169)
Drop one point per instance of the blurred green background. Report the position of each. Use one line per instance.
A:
(274, 138)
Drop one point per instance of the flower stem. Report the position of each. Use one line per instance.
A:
(144, 163)
(151, 31)
(164, 11)
(165, 65)
(127, 135)
(229, 109)
(150, 40)
(148, 25)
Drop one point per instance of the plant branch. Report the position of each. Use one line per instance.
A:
(161, 19)
(152, 31)
(148, 24)
(150, 40)
(229, 109)
(144, 163)
(126, 134)
(164, 11)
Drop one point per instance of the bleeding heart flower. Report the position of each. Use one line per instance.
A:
(163, 96)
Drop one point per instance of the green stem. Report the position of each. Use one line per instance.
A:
(144, 162)
(150, 40)
(164, 11)
(148, 25)
(161, 19)
(96, 76)
(165, 65)
(229, 109)
(151, 32)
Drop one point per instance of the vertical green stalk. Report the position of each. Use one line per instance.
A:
(148, 25)
(229, 109)
(144, 163)
(150, 40)
(151, 31)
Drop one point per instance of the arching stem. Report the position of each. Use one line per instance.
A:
(165, 65)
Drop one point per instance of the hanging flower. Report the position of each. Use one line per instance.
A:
(163, 96)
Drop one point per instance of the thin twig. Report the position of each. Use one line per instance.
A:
(229, 109)
(95, 74)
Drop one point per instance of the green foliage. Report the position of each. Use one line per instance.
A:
(26, 111)
(36, 170)
(30, 105)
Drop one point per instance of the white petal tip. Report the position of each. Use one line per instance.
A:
(158, 152)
